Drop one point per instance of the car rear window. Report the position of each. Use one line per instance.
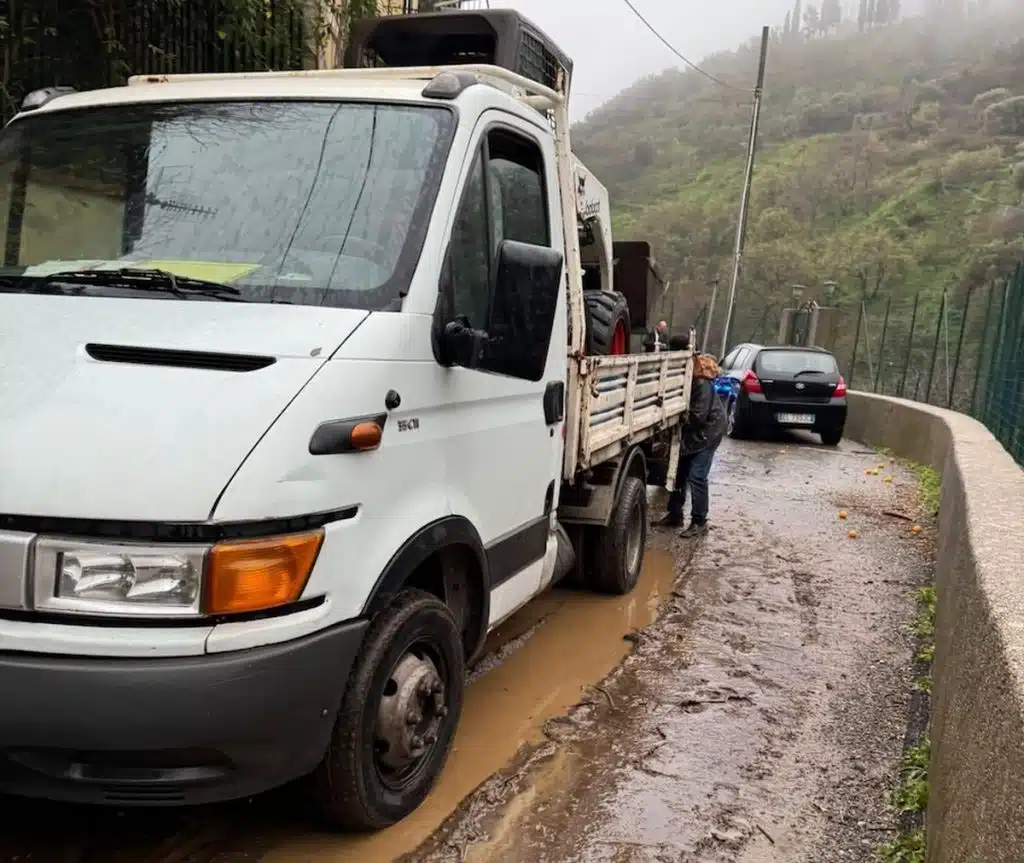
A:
(793, 362)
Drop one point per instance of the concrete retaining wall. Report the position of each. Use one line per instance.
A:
(976, 805)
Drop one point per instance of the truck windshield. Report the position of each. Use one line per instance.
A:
(313, 203)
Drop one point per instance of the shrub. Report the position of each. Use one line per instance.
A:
(989, 97)
(1005, 117)
(1018, 176)
(971, 166)
(928, 115)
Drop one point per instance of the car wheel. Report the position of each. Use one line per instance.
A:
(739, 429)
(831, 437)
(618, 554)
(398, 717)
(730, 427)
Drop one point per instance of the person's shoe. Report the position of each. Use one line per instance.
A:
(669, 519)
(695, 529)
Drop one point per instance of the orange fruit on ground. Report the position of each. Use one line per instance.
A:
(842, 513)
(916, 528)
(852, 534)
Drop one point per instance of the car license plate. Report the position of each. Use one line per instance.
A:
(796, 419)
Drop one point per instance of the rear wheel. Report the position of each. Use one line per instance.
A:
(607, 314)
(739, 428)
(618, 552)
(831, 437)
(397, 719)
(730, 427)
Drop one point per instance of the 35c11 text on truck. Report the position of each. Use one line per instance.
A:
(309, 380)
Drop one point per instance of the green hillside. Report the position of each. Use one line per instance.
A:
(889, 161)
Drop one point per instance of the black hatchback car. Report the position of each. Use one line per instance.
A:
(786, 387)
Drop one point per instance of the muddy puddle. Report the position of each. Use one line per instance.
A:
(536, 666)
(561, 644)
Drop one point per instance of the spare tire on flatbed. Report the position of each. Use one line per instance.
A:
(608, 326)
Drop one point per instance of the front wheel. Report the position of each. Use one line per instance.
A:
(619, 551)
(398, 717)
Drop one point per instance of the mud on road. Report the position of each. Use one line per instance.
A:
(760, 717)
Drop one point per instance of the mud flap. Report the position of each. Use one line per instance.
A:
(673, 462)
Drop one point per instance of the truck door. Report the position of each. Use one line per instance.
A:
(504, 454)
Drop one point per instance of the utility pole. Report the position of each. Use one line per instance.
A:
(741, 228)
(711, 315)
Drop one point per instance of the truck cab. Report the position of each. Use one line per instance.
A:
(295, 400)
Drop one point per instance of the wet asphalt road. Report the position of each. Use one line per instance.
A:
(760, 717)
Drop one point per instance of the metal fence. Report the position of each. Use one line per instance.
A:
(97, 43)
(960, 351)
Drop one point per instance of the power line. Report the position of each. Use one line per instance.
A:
(673, 49)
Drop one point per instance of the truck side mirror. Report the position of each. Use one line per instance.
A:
(527, 283)
(524, 297)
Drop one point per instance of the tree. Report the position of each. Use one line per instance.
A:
(894, 11)
(876, 261)
(787, 27)
(882, 10)
(862, 16)
(831, 14)
(872, 14)
(796, 19)
(812, 20)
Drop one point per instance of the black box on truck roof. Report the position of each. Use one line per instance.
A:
(495, 37)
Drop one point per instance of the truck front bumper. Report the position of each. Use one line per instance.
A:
(137, 732)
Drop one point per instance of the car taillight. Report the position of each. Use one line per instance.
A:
(840, 390)
(751, 384)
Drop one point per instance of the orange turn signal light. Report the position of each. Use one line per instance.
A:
(365, 436)
(254, 575)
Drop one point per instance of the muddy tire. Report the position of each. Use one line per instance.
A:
(618, 551)
(398, 717)
(608, 328)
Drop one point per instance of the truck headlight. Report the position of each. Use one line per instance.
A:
(131, 580)
(115, 578)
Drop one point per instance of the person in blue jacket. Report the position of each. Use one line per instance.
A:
(701, 434)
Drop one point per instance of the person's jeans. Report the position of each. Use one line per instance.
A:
(693, 472)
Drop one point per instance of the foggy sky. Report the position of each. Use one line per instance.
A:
(612, 48)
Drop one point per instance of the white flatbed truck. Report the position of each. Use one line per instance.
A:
(303, 393)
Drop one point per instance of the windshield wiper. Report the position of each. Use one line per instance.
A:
(809, 372)
(159, 281)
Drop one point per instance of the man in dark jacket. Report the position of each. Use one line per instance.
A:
(655, 340)
(701, 434)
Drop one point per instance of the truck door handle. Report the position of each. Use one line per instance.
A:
(554, 402)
